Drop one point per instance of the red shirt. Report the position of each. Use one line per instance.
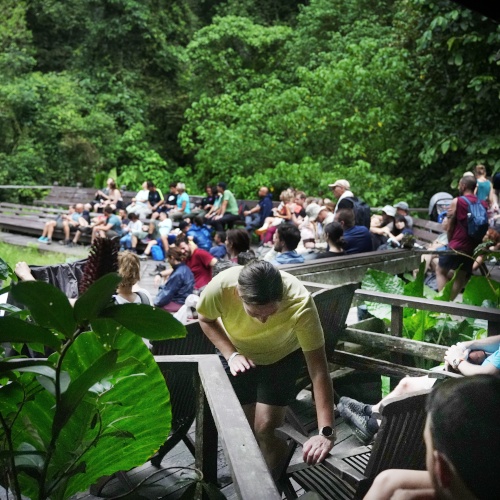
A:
(460, 239)
(199, 263)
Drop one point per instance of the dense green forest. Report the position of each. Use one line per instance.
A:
(398, 96)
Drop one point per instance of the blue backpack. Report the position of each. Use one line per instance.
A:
(477, 219)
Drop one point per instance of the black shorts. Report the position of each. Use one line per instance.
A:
(453, 262)
(268, 384)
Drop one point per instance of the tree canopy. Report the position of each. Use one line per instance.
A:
(398, 96)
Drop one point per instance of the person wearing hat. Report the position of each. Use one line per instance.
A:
(403, 209)
(382, 226)
(341, 189)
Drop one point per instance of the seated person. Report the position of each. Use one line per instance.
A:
(227, 211)
(133, 225)
(51, 225)
(335, 238)
(286, 240)
(237, 241)
(128, 291)
(382, 225)
(158, 234)
(110, 228)
(358, 238)
(283, 213)
(140, 203)
(219, 249)
(204, 206)
(403, 209)
(461, 437)
(201, 234)
(399, 231)
(169, 203)
(183, 204)
(111, 196)
(461, 357)
(172, 295)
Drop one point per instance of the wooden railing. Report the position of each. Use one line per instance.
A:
(219, 414)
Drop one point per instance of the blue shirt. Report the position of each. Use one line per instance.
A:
(181, 198)
(218, 251)
(291, 257)
(177, 288)
(202, 236)
(358, 239)
(116, 223)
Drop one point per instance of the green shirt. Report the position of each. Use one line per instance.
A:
(232, 204)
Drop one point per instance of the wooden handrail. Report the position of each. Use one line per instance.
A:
(219, 412)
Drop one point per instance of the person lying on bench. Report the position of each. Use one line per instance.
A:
(474, 357)
(461, 437)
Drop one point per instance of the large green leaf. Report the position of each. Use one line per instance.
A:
(149, 322)
(416, 326)
(21, 364)
(47, 304)
(77, 390)
(379, 281)
(415, 288)
(96, 298)
(6, 272)
(479, 289)
(13, 329)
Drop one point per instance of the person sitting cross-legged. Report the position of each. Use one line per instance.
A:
(461, 438)
(463, 357)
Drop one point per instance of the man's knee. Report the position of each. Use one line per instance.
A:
(413, 384)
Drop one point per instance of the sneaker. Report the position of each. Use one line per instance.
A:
(143, 257)
(358, 422)
(64, 242)
(48, 241)
(158, 269)
(43, 239)
(354, 406)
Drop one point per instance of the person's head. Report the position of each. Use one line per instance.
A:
(173, 187)
(346, 218)
(286, 196)
(260, 288)
(462, 437)
(339, 187)
(220, 237)
(402, 208)
(287, 238)
(112, 185)
(184, 226)
(110, 181)
(245, 257)
(335, 235)
(300, 198)
(123, 213)
(72, 209)
(263, 192)
(480, 170)
(399, 222)
(182, 243)
(151, 185)
(388, 213)
(79, 208)
(133, 216)
(163, 215)
(221, 187)
(129, 268)
(237, 241)
(312, 211)
(181, 187)
(108, 211)
(198, 221)
(467, 184)
(175, 256)
(144, 185)
(210, 190)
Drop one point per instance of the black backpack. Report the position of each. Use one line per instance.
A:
(362, 212)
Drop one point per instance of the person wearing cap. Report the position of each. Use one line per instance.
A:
(382, 226)
(403, 209)
(341, 189)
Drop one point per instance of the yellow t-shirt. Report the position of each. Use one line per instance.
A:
(295, 325)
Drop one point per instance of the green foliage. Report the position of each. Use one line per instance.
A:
(426, 325)
(97, 405)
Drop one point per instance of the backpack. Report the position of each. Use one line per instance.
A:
(477, 219)
(362, 212)
(157, 253)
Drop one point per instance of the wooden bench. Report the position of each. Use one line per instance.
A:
(426, 231)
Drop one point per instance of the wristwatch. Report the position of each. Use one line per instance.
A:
(456, 362)
(327, 432)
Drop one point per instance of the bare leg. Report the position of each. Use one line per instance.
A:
(66, 229)
(441, 277)
(267, 419)
(166, 246)
(407, 386)
(458, 284)
(51, 225)
(388, 481)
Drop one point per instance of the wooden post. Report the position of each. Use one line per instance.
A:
(206, 439)
(396, 331)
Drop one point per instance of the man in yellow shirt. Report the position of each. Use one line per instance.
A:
(261, 320)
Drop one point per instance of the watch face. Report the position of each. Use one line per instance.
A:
(326, 431)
